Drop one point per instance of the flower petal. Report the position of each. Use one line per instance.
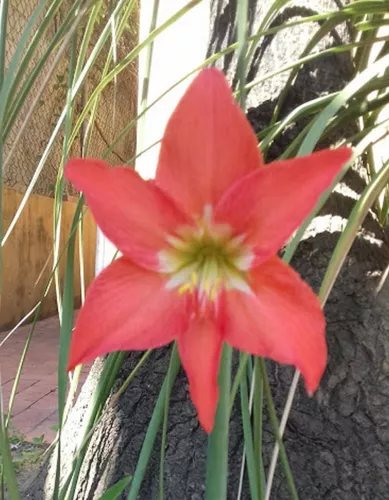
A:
(127, 308)
(208, 144)
(268, 205)
(134, 214)
(282, 320)
(200, 349)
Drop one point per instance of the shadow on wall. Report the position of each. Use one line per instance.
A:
(328, 74)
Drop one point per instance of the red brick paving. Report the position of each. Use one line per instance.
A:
(35, 406)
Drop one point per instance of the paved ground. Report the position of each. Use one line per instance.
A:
(35, 408)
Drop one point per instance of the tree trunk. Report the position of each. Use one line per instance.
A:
(338, 441)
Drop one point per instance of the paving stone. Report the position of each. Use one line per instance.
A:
(35, 407)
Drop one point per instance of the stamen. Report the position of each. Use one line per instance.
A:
(177, 243)
(234, 281)
(205, 259)
(214, 290)
(244, 262)
(185, 288)
(180, 277)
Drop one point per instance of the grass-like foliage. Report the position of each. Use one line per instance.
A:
(78, 44)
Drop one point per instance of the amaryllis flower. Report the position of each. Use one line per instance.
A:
(199, 245)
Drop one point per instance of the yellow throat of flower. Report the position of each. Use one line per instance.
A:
(205, 259)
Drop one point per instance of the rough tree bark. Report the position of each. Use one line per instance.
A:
(338, 441)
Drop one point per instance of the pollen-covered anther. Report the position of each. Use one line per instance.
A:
(203, 260)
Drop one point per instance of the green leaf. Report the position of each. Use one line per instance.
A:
(276, 430)
(164, 433)
(65, 337)
(238, 378)
(217, 454)
(318, 127)
(258, 427)
(117, 489)
(5, 454)
(356, 218)
(248, 438)
(241, 24)
(38, 440)
(154, 425)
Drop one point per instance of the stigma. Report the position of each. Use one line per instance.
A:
(205, 259)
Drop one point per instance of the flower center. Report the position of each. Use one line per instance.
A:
(205, 259)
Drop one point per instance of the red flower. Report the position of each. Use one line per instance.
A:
(199, 248)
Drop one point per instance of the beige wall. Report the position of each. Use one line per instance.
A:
(28, 259)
